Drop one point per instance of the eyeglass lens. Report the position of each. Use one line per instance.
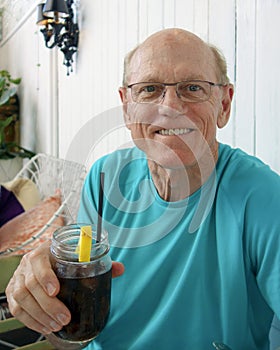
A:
(189, 91)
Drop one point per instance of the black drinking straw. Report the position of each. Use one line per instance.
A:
(100, 207)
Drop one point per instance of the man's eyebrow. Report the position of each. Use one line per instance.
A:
(194, 77)
(151, 79)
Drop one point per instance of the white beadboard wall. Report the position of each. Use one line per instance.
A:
(79, 116)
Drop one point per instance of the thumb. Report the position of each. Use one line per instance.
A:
(117, 269)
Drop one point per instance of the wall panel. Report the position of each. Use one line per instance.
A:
(22, 53)
(55, 107)
(221, 33)
(184, 14)
(200, 18)
(169, 13)
(267, 82)
(245, 116)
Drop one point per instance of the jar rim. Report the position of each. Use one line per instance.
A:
(65, 239)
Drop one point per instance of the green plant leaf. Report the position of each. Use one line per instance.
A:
(5, 82)
(11, 150)
(15, 81)
(5, 122)
(4, 98)
(4, 73)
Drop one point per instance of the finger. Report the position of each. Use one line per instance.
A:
(27, 319)
(54, 311)
(23, 316)
(39, 264)
(117, 269)
(27, 295)
(44, 316)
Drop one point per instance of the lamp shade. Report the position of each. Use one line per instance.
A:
(41, 19)
(53, 7)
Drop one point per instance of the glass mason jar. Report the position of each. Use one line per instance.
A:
(85, 287)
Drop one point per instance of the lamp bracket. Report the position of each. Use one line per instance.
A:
(63, 33)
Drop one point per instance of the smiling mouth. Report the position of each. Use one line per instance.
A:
(170, 132)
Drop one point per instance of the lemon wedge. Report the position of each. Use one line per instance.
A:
(84, 245)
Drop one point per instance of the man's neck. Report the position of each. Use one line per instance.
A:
(176, 184)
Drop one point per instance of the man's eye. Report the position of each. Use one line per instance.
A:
(190, 88)
(149, 88)
(194, 88)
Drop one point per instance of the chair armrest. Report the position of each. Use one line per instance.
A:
(42, 345)
(8, 264)
(10, 324)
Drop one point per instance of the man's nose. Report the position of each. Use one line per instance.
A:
(171, 101)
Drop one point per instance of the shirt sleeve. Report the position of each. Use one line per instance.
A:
(263, 237)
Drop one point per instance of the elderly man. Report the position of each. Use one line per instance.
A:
(195, 222)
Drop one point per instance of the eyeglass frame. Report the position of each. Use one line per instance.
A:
(211, 84)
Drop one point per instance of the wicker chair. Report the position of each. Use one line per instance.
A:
(49, 174)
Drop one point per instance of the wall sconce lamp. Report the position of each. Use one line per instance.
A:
(57, 17)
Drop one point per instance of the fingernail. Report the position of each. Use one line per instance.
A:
(55, 326)
(63, 319)
(50, 288)
(46, 331)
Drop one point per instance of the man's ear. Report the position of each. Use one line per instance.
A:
(122, 93)
(224, 115)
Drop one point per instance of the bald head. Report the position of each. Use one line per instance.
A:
(172, 34)
(174, 41)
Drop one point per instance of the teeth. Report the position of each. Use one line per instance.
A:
(174, 131)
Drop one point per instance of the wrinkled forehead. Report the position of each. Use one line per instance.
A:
(172, 58)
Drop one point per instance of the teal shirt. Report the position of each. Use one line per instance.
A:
(203, 269)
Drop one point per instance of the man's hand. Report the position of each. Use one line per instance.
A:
(32, 291)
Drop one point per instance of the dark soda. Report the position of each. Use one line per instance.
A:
(88, 299)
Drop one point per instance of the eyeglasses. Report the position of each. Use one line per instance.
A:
(187, 91)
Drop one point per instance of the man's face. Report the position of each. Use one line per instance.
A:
(174, 133)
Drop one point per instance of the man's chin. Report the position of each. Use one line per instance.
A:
(178, 156)
(172, 160)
